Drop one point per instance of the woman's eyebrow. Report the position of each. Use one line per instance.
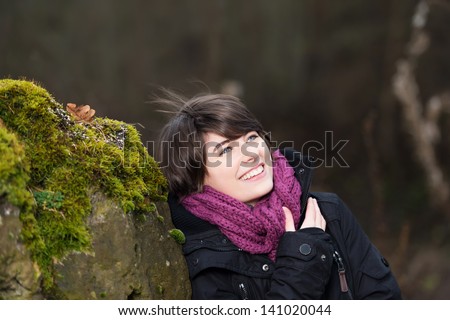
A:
(220, 144)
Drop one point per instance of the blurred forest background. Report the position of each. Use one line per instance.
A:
(373, 72)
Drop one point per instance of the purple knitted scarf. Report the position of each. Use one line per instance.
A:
(254, 229)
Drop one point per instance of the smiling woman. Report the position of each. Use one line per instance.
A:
(253, 229)
(241, 168)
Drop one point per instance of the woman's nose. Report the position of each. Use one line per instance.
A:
(249, 152)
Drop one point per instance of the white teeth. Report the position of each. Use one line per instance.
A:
(252, 173)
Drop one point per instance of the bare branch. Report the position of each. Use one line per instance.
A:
(421, 122)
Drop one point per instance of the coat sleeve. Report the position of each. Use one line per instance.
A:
(303, 265)
(301, 271)
(372, 276)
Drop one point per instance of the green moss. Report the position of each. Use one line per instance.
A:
(178, 235)
(14, 170)
(53, 162)
(160, 289)
(48, 200)
(160, 218)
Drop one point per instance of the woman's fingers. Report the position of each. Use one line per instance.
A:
(289, 220)
(318, 218)
(310, 215)
(313, 216)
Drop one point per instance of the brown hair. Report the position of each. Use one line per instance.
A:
(181, 141)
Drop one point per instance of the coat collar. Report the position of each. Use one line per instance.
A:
(302, 165)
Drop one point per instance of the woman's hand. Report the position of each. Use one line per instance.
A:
(289, 219)
(313, 216)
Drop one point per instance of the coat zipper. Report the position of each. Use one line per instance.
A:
(342, 276)
(243, 290)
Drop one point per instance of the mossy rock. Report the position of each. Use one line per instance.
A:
(52, 164)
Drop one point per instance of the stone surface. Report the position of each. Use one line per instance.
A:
(132, 257)
(18, 274)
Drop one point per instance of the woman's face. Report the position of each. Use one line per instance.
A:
(240, 168)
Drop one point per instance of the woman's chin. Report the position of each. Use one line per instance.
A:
(257, 195)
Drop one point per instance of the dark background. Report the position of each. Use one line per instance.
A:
(304, 67)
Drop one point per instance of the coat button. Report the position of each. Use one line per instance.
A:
(301, 171)
(385, 262)
(195, 262)
(265, 267)
(305, 249)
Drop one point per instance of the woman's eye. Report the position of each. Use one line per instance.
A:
(225, 150)
(253, 137)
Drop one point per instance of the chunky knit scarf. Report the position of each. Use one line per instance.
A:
(253, 229)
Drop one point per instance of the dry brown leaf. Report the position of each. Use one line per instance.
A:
(82, 113)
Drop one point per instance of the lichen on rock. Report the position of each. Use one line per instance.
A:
(51, 165)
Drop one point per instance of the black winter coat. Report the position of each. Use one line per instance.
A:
(340, 263)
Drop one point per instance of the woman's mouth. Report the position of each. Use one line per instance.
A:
(253, 173)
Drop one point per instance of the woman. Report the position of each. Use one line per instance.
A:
(253, 229)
